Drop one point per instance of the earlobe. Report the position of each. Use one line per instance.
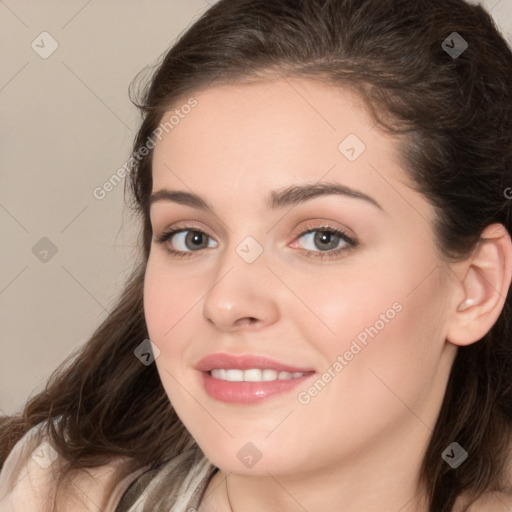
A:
(485, 280)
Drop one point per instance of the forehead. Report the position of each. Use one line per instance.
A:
(266, 135)
(285, 112)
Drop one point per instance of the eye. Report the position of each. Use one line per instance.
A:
(187, 241)
(326, 241)
(319, 241)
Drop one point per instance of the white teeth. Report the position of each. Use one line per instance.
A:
(269, 375)
(252, 375)
(234, 375)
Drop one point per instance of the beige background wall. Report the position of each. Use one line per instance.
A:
(66, 126)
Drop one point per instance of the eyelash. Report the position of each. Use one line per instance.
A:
(330, 254)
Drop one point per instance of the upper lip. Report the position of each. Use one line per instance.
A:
(245, 362)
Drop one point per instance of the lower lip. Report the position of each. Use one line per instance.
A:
(248, 392)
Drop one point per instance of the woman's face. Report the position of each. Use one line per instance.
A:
(264, 271)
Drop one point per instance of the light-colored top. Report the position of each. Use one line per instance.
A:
(28, 481)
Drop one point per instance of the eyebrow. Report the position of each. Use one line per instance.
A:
(289, 196)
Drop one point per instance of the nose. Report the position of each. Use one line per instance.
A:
(241, 297)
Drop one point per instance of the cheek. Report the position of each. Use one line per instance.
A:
(159, 305)
(387, 330)
(338, 306)
(166, 300)
(390, 345)
(169, 309)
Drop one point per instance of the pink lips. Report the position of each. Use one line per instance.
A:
(246, 392)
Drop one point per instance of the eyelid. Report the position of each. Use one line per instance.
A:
(328, 225)
(186, 226)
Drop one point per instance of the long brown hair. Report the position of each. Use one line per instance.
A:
(453, 118)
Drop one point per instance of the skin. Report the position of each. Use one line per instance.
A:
(358, 444)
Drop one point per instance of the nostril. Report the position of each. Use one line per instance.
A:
(247, 320)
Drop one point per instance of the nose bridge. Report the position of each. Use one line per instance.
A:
(240, 291)
(245, 247)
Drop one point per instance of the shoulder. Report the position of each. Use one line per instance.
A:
(29, 477)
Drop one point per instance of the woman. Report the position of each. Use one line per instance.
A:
(326, 258)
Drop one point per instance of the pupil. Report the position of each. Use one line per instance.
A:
(196, 238)
(325, 237)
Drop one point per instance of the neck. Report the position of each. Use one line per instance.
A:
(379, 480)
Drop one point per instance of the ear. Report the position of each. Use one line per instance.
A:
(483, 280)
